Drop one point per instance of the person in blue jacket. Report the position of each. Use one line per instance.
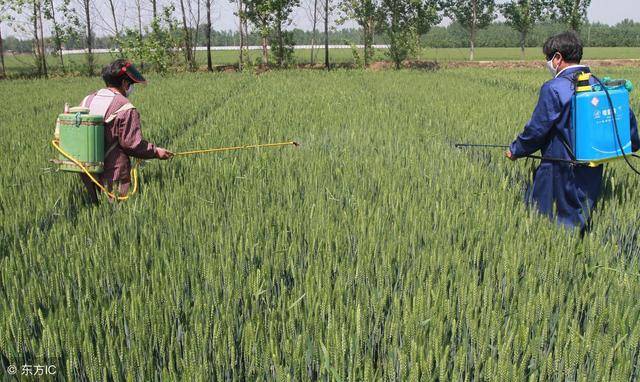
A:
(561, 190)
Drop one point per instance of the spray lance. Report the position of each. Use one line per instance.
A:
(592, 107)
(495, 146)
(233, 148)
(75, 129)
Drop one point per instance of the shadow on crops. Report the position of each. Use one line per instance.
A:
(615, 194)
(5, 240)
(489, 161)
(626, 236)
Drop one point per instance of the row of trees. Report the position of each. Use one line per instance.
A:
(177, 26)
(498, 34)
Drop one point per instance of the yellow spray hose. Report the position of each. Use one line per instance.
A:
(134, 174)
(205, 151)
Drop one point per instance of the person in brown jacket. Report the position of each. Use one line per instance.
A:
(122, 133)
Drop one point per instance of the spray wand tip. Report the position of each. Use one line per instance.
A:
(296, 144)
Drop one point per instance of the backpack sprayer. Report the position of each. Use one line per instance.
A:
(79, 139)
(594, 109)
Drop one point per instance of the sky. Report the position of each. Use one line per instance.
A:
(604, 11)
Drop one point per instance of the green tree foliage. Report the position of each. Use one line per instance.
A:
(363, 12)
(284, 40)
(270, 18)
(497, 34)
(403, 22)
(33, 11)
(283, 49)
(5, 6)
(260, 14)
(473, 15)
(159, 44)
(522, 15)
(64, 25)
(572, 13)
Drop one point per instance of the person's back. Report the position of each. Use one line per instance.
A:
(567, 189)
(122, 133)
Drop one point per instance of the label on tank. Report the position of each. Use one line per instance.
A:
(604, 116)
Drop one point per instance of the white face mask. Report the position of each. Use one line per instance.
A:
(129, 91)
(552, 69)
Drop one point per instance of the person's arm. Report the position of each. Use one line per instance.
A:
(635, 139)
(131, 140)
(536, 131)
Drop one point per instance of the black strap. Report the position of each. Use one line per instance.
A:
(564, 142)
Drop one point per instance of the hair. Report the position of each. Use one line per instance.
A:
(112, 75)
(568, 44)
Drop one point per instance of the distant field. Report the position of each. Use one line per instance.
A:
(498, 54)
(23, 64)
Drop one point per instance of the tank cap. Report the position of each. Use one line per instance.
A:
(79, 109)
(582, 82)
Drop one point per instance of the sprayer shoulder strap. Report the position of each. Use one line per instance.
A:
(125, 107)
(111, 148)
(561, 137)
(85, 101)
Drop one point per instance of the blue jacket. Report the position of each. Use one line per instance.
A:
(573, 189)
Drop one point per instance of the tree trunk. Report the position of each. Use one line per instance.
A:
(194, 41)
(87, 14)
(154, 7)
(115, 23)
(241, 17)
(395, 54)
(368, 40)
(265, 51)
(36, 40)
(280, 41)
(42, 47)
(315, 31)
(139, 9)
(3, 73)
(245, 24)
(209, 61)
(472, 51)
(57, 36)
(113, 16)
(187, 37)
(523, 42)
(326, 34)
(474, 23)
(365, 32)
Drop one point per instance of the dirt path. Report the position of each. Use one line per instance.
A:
(536, 64)
(433, 65)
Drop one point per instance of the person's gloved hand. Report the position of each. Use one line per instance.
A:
(163, 153)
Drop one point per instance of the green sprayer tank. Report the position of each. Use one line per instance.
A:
(82, 136)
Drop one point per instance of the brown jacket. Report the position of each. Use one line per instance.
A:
(124, 134)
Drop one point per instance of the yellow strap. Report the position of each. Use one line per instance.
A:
(183, 153)
(134, 174)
